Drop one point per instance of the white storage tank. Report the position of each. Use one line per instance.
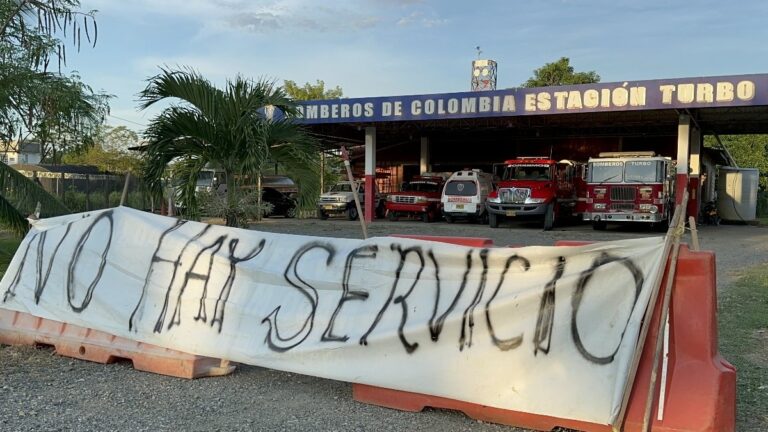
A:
(737, 193)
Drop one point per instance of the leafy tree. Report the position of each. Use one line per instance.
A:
(117, 138)
(332, 163)
(105, 159)
(749, 151)
(108, 151)
(37, 101)
(311, 91)
(560, 73)
(226, 128)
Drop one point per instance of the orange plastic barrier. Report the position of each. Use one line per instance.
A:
(18, 328)
(701, 384)
(700, 388)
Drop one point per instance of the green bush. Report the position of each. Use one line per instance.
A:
(74, 200)
(213, 204)
(762, 204)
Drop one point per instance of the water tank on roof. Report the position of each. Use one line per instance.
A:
(737, 193)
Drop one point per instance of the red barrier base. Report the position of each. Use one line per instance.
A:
(700, 392)
(18, 328)
(414, 402)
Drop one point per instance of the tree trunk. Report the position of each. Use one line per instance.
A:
(231, 199)
(259, 212)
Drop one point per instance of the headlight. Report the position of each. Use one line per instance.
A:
(649, 208)
(600, 191)
(341, 199)
(495, 200)
(421, 199)
(534, 200)
(391, 198)
(599, 206)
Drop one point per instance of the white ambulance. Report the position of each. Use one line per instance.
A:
(464, 195)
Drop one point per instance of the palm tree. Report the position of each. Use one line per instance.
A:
(19, 196)
(225, 128)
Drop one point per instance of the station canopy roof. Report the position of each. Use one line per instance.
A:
(736, 104)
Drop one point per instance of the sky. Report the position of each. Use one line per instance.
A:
(399, 47)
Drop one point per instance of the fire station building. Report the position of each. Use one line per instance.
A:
(394, 138)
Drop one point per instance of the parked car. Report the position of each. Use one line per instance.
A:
(282, 204)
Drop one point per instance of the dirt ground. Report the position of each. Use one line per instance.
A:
(42, 391)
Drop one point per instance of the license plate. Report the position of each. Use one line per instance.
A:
(327, 207)
(459, 206)
(510, 212)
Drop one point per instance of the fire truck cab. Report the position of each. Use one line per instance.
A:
(629, 187)
(535, 186)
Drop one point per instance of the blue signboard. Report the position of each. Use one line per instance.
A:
(703, 92)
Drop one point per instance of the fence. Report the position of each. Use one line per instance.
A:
(84, 192)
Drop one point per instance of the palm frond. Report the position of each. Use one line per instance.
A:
(186, 171)
(24, 193)
(225, 128)
(19, 196)
(186, 86)
(299, 152)
(11, 219)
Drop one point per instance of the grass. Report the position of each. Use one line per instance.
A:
(8, 246)
(743, 319)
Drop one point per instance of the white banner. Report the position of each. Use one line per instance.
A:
(543, 330)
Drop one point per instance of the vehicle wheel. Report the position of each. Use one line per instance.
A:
(291, 212)
(598, 225)
(322, 215)
(663, 226)
(352, 213)
(493, 220)
(392, 216)
(381, 210)
(483, 219)
(448, 218)
(549, 217)
(426, 217)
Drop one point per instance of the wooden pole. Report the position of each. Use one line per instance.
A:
(694, 234)
(668, 241)
(662, 322)
(322, 172)
(352, 183)
(125, 189)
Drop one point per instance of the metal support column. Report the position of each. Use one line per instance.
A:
(370, 174)
(694, 183)
(683, 146)
(424, 164)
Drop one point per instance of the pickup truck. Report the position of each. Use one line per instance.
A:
(339, 200)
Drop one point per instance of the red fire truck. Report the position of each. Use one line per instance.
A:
(538, 187)
(630, 187)
(420, 197)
